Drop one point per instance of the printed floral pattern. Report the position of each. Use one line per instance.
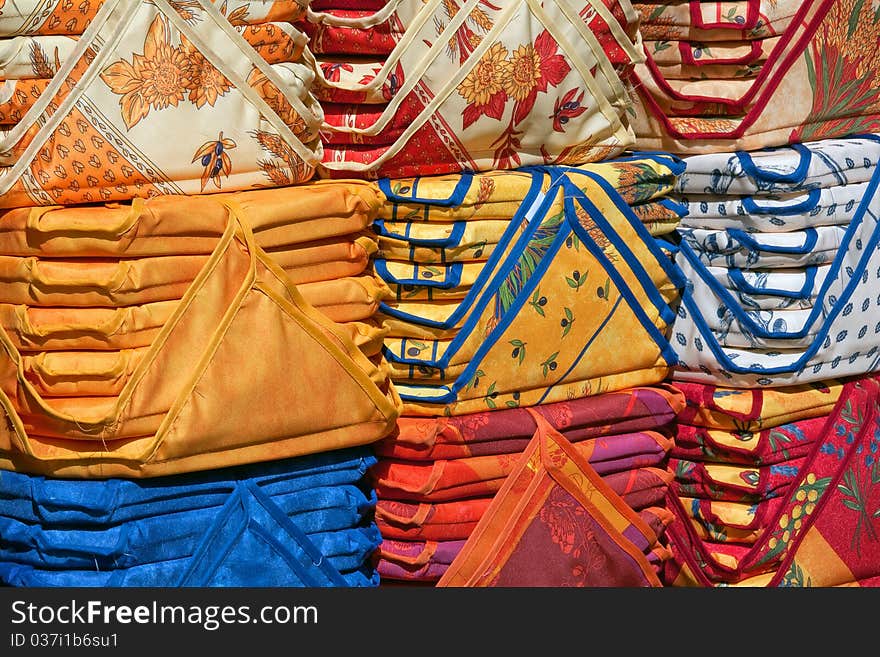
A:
(823, 530)
(157, 79)
(571, 530)
(207, 84)
(483, 88)
(519, 76)
(836, 63)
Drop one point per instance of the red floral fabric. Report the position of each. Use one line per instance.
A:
(556, 522)
(823, 527)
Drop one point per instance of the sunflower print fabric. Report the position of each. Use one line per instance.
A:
(471, 98)
(82, 126)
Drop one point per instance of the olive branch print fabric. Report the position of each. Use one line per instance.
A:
(472, 339)
(792, 305)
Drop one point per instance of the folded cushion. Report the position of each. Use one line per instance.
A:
(90, 137)
(743, 523)
(735, 248)
(324, 260)
(434, 521)
(479, 475)
(133, 433)
(618, 280)
(40, 56)
(687, 60)
(798, 168)
(732, 483)
(773, 289)
(190, 225)
(259, 555)
(57, 503)
(721, 21)
(58, 17)
(429, 560)
(819, 532)
(584, 539)
(349, 299)
(448, 101)
(842, 322)
(775, 212)
(169, 536)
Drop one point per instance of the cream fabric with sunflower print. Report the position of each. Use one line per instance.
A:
(102, 122)
(533, 59)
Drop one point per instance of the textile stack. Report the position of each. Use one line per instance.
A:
(779, 321)
(440, 293)
(776, 487)
(421, 88)
(772, 106)
(511, 290)
(189, 381)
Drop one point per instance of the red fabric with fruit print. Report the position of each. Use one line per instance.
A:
(826, 531)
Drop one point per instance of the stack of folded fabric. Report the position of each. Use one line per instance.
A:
(513, 293)
(747, 74)
(110, 100)
(222, 346)
(776, 487)
(437, 478)
(420, 88)
(130, 334)
(780, 250)
(778, 322)
(294, 522)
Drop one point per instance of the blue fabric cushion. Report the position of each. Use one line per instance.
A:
(37, 499)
